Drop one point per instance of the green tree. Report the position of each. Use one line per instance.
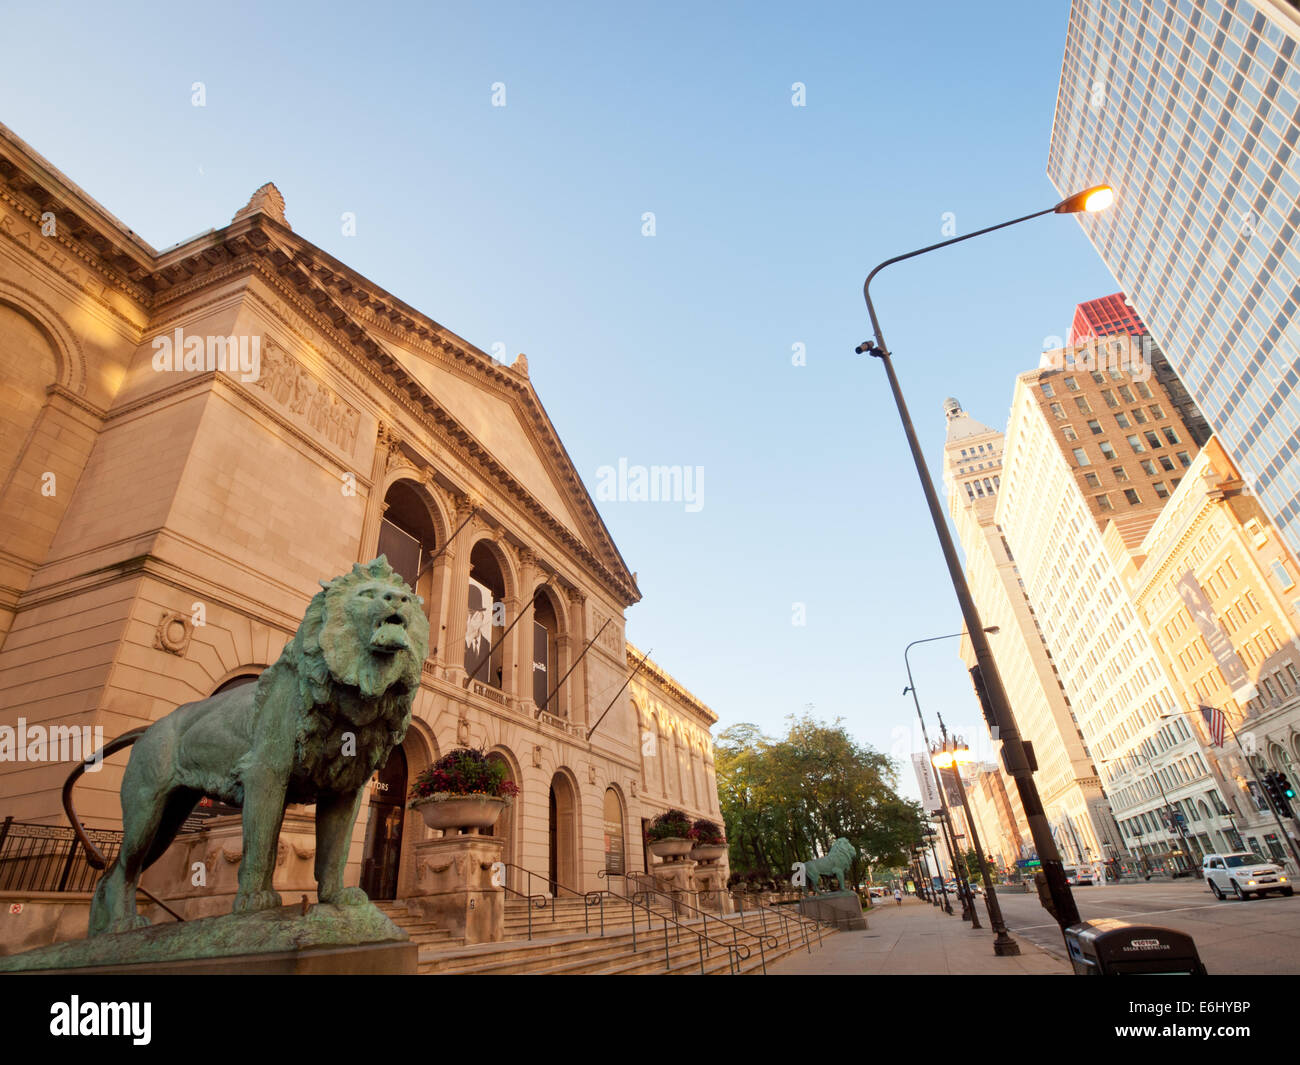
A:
(788, 800)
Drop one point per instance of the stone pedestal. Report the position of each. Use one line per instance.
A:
(325, 940)
(711, 883)
(676, 875)
(843, 909)
(198, 876)
(453, 886)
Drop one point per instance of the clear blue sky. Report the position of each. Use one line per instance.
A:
(522, 225)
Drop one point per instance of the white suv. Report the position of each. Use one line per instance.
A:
(1243, 873)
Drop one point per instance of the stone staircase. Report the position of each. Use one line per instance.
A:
(560, 946)
(426, 935)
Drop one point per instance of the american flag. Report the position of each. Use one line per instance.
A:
(1214, 721)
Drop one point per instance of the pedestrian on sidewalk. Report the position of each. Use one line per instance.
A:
(898, 897)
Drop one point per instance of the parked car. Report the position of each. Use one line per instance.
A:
(1244, 873)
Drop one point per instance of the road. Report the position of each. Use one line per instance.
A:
(1257, 936)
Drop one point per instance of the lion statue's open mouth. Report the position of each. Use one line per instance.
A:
(390, 634)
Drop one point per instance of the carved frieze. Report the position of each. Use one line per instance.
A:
(324, 412)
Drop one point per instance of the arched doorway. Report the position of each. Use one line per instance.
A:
(381, 854)
(563, 865)
(615, 851)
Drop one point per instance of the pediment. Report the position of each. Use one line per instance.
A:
(498, 424)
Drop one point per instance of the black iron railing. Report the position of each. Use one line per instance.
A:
(36, 857)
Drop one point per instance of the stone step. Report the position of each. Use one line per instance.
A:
(611, 954)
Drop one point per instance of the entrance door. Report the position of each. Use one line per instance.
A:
(383, 847)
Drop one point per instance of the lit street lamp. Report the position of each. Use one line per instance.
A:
(950, 756)
(1016, 761)
(963, 893)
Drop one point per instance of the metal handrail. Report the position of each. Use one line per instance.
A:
(542, 901)
(800, 921)
(736, 952)
(736, 929)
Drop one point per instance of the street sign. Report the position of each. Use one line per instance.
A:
(1029, 863)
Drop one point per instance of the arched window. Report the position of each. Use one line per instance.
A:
(545, 655)
(487, 589)
(408, 539)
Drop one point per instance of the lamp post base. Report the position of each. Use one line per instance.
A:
(1005, 947)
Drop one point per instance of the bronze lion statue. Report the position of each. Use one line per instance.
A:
(836, 864)
(314, 728)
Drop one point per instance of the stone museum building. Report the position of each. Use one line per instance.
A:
(191, 438)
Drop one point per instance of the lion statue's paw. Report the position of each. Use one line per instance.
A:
(252, 901)
(128, 924)
(349, 896)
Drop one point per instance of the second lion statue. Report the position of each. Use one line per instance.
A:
(314, 728)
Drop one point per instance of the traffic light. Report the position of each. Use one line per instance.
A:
(1279, 791)
(1285, 794)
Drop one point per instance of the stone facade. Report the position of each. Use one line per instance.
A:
(191, 438)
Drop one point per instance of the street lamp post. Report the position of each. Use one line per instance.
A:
(947, 906)
(1003, 944)
(967, 904)
(1013, 750)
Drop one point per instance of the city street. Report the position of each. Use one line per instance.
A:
(1260, 936)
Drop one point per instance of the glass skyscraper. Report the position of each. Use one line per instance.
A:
(1191, 110)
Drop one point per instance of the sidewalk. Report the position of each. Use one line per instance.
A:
(917, 939)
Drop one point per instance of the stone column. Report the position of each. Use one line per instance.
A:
(386, 445)
(456, 595)
(522, 637)
(577, 702)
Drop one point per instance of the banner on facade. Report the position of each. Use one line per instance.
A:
(1230, 665)
(478, 631)
(930, 801)
(541, 664)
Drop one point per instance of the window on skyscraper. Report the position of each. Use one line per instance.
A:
(1057, 411)
(1109, 397)
(1171, 436)
(1126, 393)
(1048, 391)
(1143, 390)
(1160, 488)
(1120, 473)
(1081, 457)
(1092, 480)
(1122, 421)
(1068, 432)
(1139, 416)
(1107, 450)
(1082, 403)
(1184, 458)
(1131, 495)
(1095, 426)
(1157, 411)
(1153, 440)
(1103, 501)
(1166, 463)
(1072, 384)
(1136, 445)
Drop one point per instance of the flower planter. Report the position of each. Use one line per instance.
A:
(672, 848)
(468, 812)
(708, 852)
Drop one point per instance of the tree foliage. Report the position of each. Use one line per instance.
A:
(788, 800)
